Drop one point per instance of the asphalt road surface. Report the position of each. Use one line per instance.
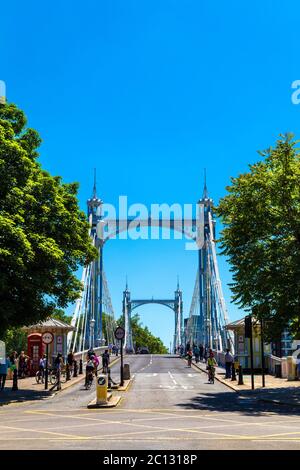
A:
(168, 406)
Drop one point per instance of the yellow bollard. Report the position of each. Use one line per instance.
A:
(101, 389)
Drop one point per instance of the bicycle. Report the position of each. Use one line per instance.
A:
(211, 375)
(88, 379)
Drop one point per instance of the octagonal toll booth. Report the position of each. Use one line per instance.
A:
(36, 348)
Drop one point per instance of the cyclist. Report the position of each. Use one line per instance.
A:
(89, 369)
(96, 362)
(211, 365)
(189, 357)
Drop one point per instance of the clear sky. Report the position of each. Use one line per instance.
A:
(150, 92)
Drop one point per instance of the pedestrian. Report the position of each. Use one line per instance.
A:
(42, 367)
(105, 361)
(58, 362)
(196, 353)
(70, 360)
(117, 350)
(228, 364)
(188, 347)
(205, 354)
(201, 350)
(3, 373)
(181, 350)
(22, 365)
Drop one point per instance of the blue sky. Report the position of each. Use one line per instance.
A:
(150, 93)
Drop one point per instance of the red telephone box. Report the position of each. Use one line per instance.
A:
(35, 351)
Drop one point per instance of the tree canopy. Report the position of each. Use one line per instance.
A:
(43, 234)
(261, 237)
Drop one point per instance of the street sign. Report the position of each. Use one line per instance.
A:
(47, 337)
(119, 333)
(101, 381)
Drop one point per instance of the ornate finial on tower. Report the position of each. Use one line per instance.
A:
(205, 192)
(94, 188)
(126, 288)
(178, 288)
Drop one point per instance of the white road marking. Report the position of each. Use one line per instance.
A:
(171, 376)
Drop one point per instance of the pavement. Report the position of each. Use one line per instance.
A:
(30, 390)
(276, 390)
(167, 406)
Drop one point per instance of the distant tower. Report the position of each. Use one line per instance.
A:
(128, 344)
(178, 308)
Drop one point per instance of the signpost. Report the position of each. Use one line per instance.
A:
(120, 335)
(249, 334)
(47, 338)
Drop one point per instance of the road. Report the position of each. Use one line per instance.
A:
(168, 406)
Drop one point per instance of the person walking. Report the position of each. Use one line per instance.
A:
(196, 354)
(105, 361)
(228, 364)
(70, 360)
(42, 368)
(201, 350)
(3, 373)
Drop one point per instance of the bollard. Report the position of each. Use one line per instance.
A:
(15, 380)
(241, 381)
(75, 374)
(109, 381)
(68, 376)
(101, 389)
(126, 373)
(80, 367)
(233, 376)
(58, 381)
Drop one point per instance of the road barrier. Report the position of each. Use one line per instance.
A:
(126, 372)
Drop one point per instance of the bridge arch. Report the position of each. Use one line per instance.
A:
(175, 304)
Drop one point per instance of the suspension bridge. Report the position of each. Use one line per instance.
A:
(94, 320)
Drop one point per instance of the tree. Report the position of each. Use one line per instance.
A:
(43, 234)
(60, 314)
(143, 337)
(261, 216)
(15, 339)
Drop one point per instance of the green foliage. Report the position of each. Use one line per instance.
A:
(60, 314)
(15, 340)
(143, 337)
(261, 215)
(43, 234)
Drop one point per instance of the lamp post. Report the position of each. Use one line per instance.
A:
(92, 326)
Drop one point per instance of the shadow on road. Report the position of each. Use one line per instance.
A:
(8, 396)
(247, 402)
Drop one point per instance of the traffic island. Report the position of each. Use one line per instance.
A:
(111, 402)
(124, 387)
(103, 398)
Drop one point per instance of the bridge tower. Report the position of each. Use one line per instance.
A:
(94, 318)
(208, 315)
